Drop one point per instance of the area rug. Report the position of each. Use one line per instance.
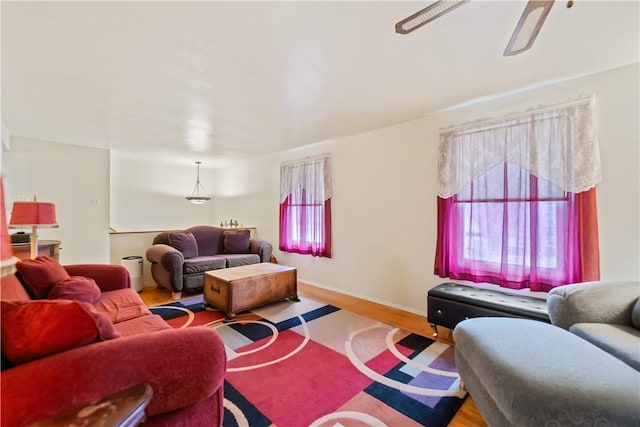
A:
(298, 364)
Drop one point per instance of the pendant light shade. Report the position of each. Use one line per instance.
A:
(197, 197)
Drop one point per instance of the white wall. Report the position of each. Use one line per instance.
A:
(149, 194)
(384, 193)
(76, 179)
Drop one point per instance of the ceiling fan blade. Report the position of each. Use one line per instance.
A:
(426, 15)
(528, 27)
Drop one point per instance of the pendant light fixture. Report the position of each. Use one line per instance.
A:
(197, 197)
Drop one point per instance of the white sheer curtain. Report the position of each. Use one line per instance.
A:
(516, 199)
(313, 174)
(557, 144)
(305, 206)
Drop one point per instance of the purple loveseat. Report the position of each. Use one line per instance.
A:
(180, 258)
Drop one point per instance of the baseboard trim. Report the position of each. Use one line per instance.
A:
(366, 298)
(380, 312)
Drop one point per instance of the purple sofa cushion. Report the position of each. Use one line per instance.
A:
(236, 241)
(209, 239)
(236, 260)
(203, 263)
(185, 242)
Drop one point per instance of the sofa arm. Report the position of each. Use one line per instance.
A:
(109, 277)
(592, 302)
(262, 248)
(171, 261)
(191, 369)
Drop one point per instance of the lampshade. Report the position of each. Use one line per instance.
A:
(33, 214)
(198, 197)
(7, 261)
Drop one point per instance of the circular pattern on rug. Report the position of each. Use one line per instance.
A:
(274, 333)
(337, 419)
(392, 348)
(237, 413)
(296, 350)
(191, 315)
(407, 388)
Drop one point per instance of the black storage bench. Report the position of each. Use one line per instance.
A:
(450, 303)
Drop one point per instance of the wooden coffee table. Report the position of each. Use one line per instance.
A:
(237, 289)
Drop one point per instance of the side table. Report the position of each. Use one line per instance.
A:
(122, 409)
(45, 247)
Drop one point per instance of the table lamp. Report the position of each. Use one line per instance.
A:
(35, 215)
(7, 260)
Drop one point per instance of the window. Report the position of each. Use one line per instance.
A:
(305, 206)
(516, 203)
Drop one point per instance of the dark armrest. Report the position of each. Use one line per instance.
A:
(109, 277)
(592, 302)
(183, 366)
(262, 248)
(167, 256)
(171, 260)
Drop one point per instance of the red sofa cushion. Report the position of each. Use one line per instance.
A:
(121, 305)
(41, 274)
(141, 325)
(76, 288)
(31, 330)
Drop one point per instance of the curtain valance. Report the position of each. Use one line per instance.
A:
(558, 144)
(311, 174)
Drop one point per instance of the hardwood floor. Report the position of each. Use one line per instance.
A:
(467, 416)
(152, 295)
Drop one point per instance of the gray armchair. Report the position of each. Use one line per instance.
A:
(607, 314)
(584, 369)
(179, 259)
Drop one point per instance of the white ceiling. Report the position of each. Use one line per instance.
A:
(207, 80)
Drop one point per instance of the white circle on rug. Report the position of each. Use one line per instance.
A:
(237, 413)
(186, 310)
(274, 333)
(407, 388)
(293, 352)
(352, 415)
(392, 348)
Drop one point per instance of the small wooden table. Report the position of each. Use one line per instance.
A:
(242, 288)
(45, 247)
(122, 409)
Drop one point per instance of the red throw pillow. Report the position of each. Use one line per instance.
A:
(40, 274)
(76, 288)
(35, 329)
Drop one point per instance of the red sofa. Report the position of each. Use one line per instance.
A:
(185, 367)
